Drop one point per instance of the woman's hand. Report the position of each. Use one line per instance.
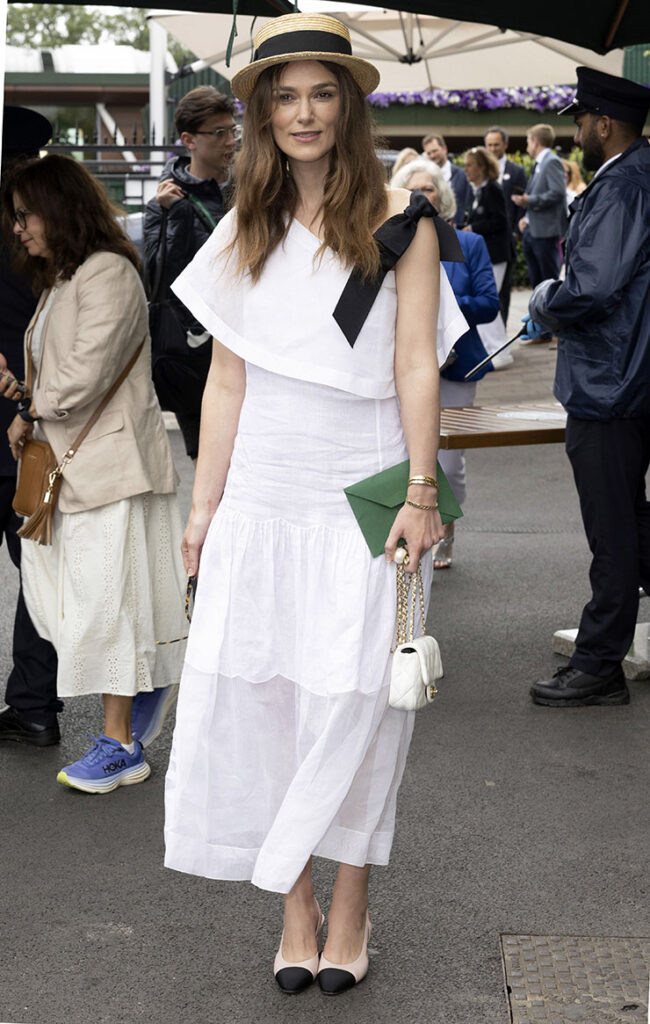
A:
(193, 540)
(420, 529)
(8, 382)
(19, 432)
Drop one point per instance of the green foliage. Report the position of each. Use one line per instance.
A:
(47, 26)
(42, 26)
(520, 278)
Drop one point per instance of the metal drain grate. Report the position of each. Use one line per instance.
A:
(554, 979)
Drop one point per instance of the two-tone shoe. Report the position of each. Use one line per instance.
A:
(334, 979)
(294, 977)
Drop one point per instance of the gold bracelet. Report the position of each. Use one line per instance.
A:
(416, 504)
(428, 481)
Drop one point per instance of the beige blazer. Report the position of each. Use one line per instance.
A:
(94, 325)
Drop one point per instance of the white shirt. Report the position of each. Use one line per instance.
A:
(540, 156)
(446, 170)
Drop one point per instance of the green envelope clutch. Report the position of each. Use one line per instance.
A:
(376, 501)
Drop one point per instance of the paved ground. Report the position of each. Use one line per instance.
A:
(513, 820)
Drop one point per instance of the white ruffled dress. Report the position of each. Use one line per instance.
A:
(284, 743)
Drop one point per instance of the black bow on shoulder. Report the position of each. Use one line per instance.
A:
(393, 238)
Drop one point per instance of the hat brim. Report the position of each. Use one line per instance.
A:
(364, 73)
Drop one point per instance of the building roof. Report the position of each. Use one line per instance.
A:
(82, 59)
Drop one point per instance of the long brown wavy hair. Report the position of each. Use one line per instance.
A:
(78, 217)
(354, 201)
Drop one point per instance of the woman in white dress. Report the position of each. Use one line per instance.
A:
(285, 747)
(111, 582)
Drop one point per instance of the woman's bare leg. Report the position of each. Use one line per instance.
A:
(117, 717)
(300, 919)
(347, 916)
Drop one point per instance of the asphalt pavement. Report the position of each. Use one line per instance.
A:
(512, 819)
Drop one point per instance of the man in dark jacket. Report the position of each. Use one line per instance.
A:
(31, 716)
(511, 176)
(192, 198)
(601, 313)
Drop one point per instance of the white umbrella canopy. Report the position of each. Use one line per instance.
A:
(412, 52)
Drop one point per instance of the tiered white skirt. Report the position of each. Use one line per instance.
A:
(284, 744)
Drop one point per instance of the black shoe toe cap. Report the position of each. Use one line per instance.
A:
(332, 981)
(294, 979)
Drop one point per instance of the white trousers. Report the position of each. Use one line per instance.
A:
(493, 335)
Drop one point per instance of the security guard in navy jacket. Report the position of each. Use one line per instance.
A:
(601, 313)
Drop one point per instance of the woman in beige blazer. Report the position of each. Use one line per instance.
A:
(111, 582)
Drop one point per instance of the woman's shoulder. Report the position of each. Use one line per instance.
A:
(104, 261)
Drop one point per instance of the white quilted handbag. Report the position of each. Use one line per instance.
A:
(416, 663)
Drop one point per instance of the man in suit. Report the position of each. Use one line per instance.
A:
(435, 148)
(511, 176)
(31, 716)
(545, 221)
(600, 313)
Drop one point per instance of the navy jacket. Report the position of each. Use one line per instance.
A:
(488, 217)
(476, 294)
(514, 176)
(601, 312)
(17, 306)
(462, 192)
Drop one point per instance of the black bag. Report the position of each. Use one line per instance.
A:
(179, 372)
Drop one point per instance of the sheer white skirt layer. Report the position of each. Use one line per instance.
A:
(109, 586)
(284, 743)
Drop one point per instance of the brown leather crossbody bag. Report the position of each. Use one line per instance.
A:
(39, 474)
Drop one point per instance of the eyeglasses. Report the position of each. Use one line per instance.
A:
(428, 189)
(234, 130)
(20, 218)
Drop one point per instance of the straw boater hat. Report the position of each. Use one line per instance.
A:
(303, 37)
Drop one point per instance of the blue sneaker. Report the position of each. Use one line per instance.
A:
(105, 766)
(149, 711)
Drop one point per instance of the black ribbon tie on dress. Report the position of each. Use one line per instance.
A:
(393, 238)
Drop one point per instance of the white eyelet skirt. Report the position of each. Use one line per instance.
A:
(284, 744)
(111, 584)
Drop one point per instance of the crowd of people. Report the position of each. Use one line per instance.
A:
(308, 323)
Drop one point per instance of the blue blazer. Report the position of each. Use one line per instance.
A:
(476, 293)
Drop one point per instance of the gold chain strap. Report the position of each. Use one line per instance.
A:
(410, 592)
